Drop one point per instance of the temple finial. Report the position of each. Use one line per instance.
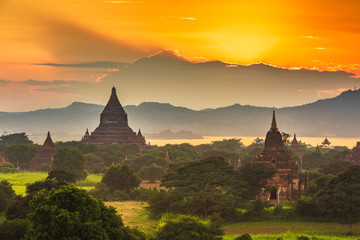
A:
(273, 123)
(139, 132)
(113, 91)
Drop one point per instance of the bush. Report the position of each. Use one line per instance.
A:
(43, 168)
(13, 229)
(245, 236)
(7, 167)
(187, 227)
(303, 238)
(7, 195)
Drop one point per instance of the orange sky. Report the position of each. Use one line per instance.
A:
(317, 34)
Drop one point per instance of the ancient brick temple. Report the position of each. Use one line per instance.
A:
(354, 155)
(46, 154)
(113, 127)
(285, 183)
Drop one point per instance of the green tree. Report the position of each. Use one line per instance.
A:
(62, 176)
(251, 178)
(186, 228)
(21, 155)
(152, 172)
(312, 160)
(71, 213)
(13, 229)
(70, 160)
(198, 184)
(16, 138)
(341, 197)
(94, 163)
(334, 167)
(121, 177)
(145, 160)
(229, 145)
(7, 195)
(285, 138)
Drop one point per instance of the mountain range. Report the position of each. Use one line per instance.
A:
(170, 77)
(332, 117)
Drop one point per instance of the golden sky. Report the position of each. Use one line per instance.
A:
(315, 34)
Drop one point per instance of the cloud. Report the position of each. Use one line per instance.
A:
(68, 42)
(330, 92)
(117, 1)
(104, 64)
(310, 37)
(4, 81)
(177, 18)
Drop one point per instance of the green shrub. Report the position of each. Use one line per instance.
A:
(245, 236)
(13, 229)
(43, 168)
(7, 167)
(303, 238)
(186, 228)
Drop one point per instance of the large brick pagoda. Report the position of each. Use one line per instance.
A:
(113, 127)
(285, 183)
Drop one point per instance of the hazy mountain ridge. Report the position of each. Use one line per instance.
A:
(339, 116)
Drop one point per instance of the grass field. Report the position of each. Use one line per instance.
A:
(19, 180)
(294, 227)
(134, 214)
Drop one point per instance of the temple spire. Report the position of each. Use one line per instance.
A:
(139, 132)
(273, 123)
(48, 141)
(87, 131)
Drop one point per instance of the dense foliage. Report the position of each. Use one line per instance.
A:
(187, 227)
(70, 160)
(121, 177)
(71, 213)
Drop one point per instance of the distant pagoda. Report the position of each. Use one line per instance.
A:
(354, 155)
(285, 184)
(295, 147)
(46, 154)
(113, 127)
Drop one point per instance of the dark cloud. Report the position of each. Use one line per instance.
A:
(69, 42)
(107, 65)
(4, 81)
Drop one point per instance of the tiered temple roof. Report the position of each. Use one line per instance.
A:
(285, 183)
(46, 154)
(113, 127)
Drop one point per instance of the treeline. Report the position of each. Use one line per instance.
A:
(212, 183)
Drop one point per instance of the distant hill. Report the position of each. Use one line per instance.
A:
(333, 117)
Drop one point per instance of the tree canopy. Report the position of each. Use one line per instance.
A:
(71, 213)
(121, 177)
(70, 160)
(341, 196)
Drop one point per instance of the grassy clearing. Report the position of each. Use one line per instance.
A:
(20, 179)
(90, 181)
(290, 236)
(134, 214)
(309, 228)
